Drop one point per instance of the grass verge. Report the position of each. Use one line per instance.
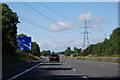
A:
(10, 59)
(103, 59)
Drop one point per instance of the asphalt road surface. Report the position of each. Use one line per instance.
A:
(72, 70)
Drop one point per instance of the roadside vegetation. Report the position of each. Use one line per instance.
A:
(29, 55)
(45, 53)
(92, 58)
(10, 54)
(109, 47)
(107, 51)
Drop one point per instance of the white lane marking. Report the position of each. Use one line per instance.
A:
(26, 71)
(68, 65)
(45, 61)
(41, 63)
(85, 77)
(73, 69)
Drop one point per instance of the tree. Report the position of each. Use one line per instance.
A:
(115, 41)
(62, 52)
(43, 53)
(80, 50)
(46, 53)
(22, 35)
(53, 52)
(35, 49)
(9, 32)
(88, 50)
(68, 51)
(9, 29)
(76, 50)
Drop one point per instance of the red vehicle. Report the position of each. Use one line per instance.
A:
(54, 57)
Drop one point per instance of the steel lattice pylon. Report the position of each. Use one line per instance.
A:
(85, 33)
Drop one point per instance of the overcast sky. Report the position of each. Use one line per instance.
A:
(56, 26)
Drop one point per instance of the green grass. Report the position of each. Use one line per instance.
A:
(105, 59)
(28, 57)
(115, 55)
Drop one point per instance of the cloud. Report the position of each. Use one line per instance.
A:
(84, 17)
(63, 26)
(95, 21)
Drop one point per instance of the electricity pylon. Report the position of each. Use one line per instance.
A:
(85, 33)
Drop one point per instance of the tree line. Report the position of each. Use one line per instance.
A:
(68, 52)
(108, 47)
(9, 30)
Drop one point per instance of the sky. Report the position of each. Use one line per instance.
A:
(58, 25)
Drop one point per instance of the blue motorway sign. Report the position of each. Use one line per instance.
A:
(24, 43)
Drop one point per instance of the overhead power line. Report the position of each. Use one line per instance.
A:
(54, 11)
(42, 27)
(57, 13)
(36, 33)
(47, 17)
(37, 25)
(40, 13)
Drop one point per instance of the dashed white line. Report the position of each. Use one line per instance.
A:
(85, 77)
(73, 69)
(25, 71)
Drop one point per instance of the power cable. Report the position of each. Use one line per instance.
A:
(47, 17)
(54, 11)
(51, 37)
(37, 25)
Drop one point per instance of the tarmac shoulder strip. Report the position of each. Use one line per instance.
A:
(26, 71)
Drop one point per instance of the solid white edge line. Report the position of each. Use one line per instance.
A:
(26, 71)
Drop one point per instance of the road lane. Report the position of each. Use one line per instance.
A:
(52, 70)
(12, 70)
(94, 69)
(71, 69)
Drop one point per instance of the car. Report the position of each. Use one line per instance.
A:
(54, 57)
